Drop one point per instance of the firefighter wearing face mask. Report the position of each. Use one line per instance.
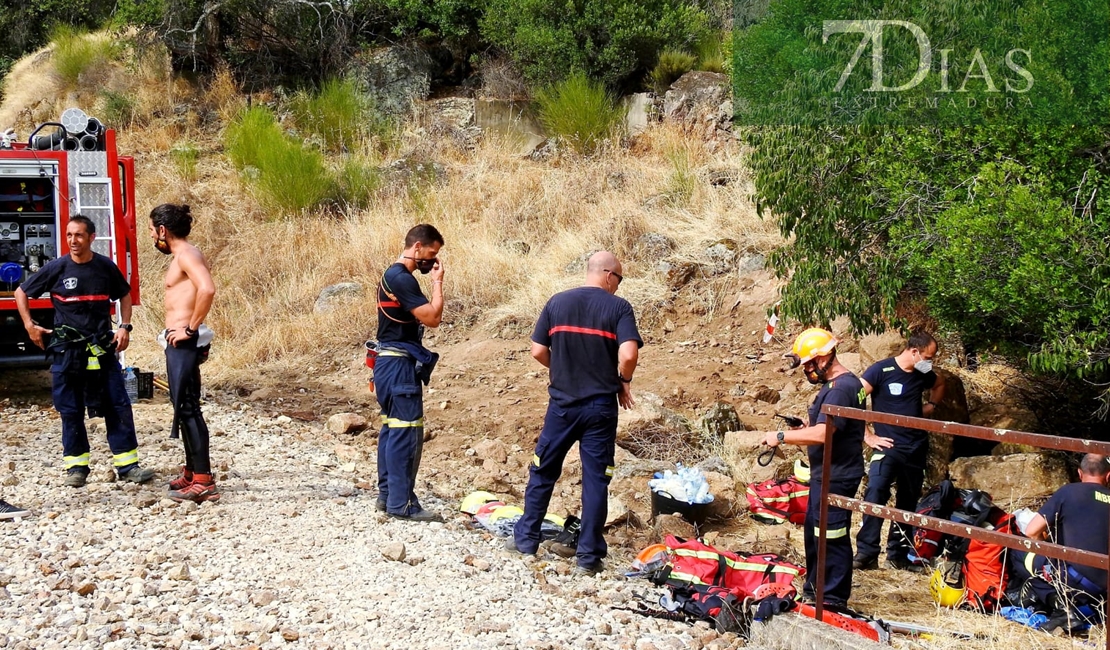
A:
(896, 386)
(403, 364)
(815, 351)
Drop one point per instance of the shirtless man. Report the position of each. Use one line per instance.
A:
(189, 294)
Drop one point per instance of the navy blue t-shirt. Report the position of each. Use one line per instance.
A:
(1078, 515)
(585, 327)
(398, 294)
(847, 454)
(82, 294)
(898, 392)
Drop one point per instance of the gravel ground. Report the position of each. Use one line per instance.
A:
(294, 555)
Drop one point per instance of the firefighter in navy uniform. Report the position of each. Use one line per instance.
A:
(588, 339)
(896, 386)
(82, 286)
(1076, 515)
(815, 350)
(403, 363)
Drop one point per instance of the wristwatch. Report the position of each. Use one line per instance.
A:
(126, 326)
(781, 435)
(621, 377)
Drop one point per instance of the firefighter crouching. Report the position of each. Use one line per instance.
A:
(815, 351)
(82, 286)
(402, 365)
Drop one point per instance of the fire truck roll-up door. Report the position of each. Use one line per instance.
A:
(30, 236)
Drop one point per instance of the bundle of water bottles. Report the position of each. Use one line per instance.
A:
(686, 484)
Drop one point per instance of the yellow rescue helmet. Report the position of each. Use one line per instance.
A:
(475, 500)
(555, 519)
(486, 508)
(801, 471)
(943, 591)
(504, 512)
(812, 343)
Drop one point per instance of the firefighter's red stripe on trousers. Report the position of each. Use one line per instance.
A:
(78, 298)
(581, 330)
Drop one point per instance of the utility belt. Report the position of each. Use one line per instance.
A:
(73, 352)
(424, 359)
(204, 338)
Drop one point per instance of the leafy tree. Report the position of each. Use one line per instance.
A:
(993, 213)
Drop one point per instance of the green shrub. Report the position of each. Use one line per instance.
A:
(580, 112)
(342, 116)
(356, 183)
(285, 176)
(672, 65)
(245, 136)
(616, 41)
(75, 53)
(185, 156)
(291, 178)
(118, 108)
(711, 52)
(682, 180)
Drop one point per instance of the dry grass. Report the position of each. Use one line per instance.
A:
(513, 225)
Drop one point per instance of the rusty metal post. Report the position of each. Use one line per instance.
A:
(823, 529)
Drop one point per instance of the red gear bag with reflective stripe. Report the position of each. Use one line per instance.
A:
(695, 563)
(775, 501)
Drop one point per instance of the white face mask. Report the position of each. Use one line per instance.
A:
(923, 366)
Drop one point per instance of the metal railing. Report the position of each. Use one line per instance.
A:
(1016, 542)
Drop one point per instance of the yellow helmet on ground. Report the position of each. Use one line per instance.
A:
(504, 512)
(555, 519)
(475, 500)
(812, 343)
(947, 586)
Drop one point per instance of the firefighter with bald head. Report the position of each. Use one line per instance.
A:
(815, 351)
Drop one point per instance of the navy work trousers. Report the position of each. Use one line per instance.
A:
(401, 440)
(888, 470)
(183, 375)
(592, 424)
(69, 390)
(838, 547)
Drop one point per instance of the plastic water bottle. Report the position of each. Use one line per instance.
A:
(131, 383)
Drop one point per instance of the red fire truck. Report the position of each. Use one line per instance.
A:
(64, 168)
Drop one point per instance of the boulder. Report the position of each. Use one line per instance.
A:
(751, 264)
(851, 361)
(638, 110)
(333, 295)
(953, 408)
(673, 525)
(677, 274)
(653, 246)
(701, 102)
(651, 430)
(492, 449)
(767, 394)
(720, 419)
(1017, 478)
(876, 347)
(347, 423)
(723, 489)
(397, 77)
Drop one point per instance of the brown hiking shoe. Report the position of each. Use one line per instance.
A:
(202, 489)
(183, 481)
